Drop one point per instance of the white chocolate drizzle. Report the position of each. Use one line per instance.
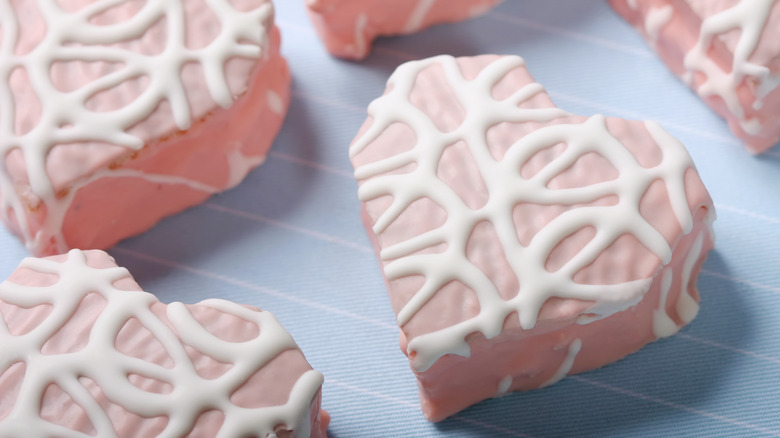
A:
(240, 165)
(360, 33)
(417, 17)
(100, 361)
(503, 386)
(657, 19)
(750, 18)
(566, 365)
(65, 117)
(506, 188)
(663, 325)
(687, 307)
(275, 102)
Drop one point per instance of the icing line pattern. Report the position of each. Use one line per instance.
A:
(100, 361)
(506, 189)
(65, 117)
(656, 19)
(566, 365)
(749, 17)
(418, 15)
(686, 306)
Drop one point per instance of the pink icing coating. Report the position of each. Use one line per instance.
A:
(532, 357)
(677, 35)
(347, 27)
(529, 357)
(267, 386)
(175, 169)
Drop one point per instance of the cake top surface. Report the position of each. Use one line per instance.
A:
(482, 192)
(79, 323)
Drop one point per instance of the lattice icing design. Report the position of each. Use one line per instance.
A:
(111, 370)
(726, 51)
(749, 18)
(440, 254)
(66, 117)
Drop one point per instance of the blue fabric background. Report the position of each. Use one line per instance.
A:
(289, 239)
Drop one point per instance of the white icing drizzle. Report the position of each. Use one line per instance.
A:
(65, 118)
(687, 307)
(566, 365)
(240, 165)
(503, 386)
(506, 189)
(57, 215)
(749, 17)
(149, 177)
(656, 19)
(417, 17)
(275, 102)
(360, 34)
(663, 325)
(632, 4)
(100, 361)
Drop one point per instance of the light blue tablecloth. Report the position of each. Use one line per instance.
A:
(289, 239)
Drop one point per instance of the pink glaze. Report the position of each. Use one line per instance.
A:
(673, 28)
(103, 193)
(532, 357)
(566, 336)
(347, 27)
(267, 386)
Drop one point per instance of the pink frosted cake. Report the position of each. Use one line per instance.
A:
(728, 51)
(86, 353)
(521, 243)
(347, 27)
(118, 113)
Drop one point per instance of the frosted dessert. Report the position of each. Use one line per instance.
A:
(86, 353)
(116, 114)
(521, 243)
(728, 51)
(347, 27)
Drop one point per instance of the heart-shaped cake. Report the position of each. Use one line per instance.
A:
(85, 352)
(115, 114)
(521, 243)
(347, 27)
